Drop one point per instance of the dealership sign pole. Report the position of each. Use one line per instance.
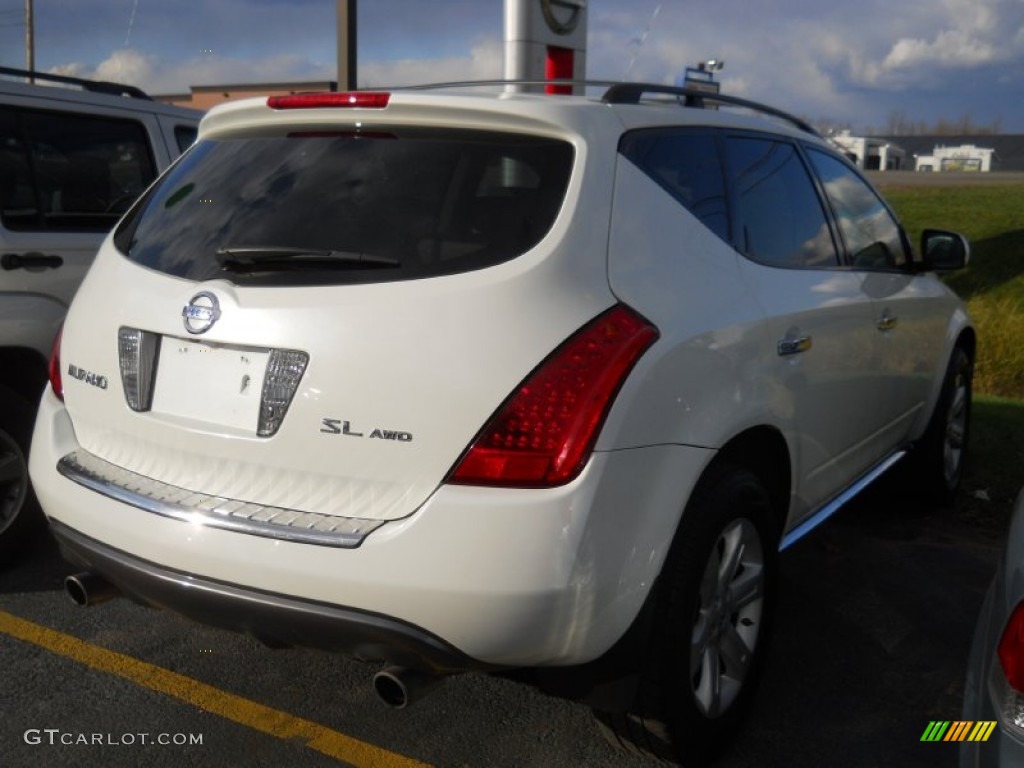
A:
(546, 40)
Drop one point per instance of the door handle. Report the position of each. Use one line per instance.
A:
(33, 261)
(887, 321)
(794, 345)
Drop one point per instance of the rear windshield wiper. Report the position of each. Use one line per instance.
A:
(283, 258)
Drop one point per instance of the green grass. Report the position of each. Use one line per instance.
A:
(993, 284)
(997, 446)
(996, 458)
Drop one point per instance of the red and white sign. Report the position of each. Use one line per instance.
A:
(546, 40)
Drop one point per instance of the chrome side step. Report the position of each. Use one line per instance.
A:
(833, 506)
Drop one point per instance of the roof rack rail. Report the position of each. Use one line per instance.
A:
(633, 93)
(96, 86)
(482, 83)
(619, 92)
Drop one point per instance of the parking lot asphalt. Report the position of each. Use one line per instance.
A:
(875, 618)
(878, 609)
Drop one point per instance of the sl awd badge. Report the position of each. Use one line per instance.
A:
(341, 427)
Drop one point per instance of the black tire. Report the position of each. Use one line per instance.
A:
(938, 460)
(20, 516)
(703, 633)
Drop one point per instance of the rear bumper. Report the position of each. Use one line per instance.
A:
(277, 620)
(475, 578)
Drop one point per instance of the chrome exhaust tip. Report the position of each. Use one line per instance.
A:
(88, 589)
(398, 687)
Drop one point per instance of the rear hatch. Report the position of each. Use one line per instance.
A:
(320, 313)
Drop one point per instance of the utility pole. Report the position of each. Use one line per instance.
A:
(30, 45)
(347, 44)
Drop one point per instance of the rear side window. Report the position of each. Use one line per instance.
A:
(335, 207)
(779, 219)
(68, 172)
(686, 164)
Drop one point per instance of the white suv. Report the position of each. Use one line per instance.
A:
(460, 380)
(74, 154)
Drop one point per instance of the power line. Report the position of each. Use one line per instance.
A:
(131, 23)
(639, 41)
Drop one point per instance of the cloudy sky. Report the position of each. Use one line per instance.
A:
(857, 63)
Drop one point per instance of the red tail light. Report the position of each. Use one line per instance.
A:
(364, 99)
(56, 383)
(1011, 649)
(543, 435)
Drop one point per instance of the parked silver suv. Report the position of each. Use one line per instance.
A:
(74, 154)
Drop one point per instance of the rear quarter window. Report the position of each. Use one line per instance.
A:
(686, 164)
(336, 207)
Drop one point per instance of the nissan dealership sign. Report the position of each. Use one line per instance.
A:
(546, 40)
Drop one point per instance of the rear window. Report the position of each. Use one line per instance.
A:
(336, 207)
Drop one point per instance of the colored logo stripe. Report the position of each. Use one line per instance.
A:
(982, 731)
(958, 730)
(935, 731)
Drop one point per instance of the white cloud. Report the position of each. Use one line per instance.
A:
(854, 61)
(128, 66)
(158, 76)
(974, 15)
(484, 62)
(950, 48)
(934, 38)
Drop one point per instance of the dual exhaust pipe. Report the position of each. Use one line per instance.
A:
(88, 588)
(398, 687)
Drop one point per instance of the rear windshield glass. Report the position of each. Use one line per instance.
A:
(333, 207)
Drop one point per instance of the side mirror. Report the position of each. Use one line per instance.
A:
(944, 251)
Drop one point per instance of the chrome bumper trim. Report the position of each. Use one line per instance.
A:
(217, 512)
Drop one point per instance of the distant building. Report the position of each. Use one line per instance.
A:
(206, 96)
(1005, 152)
(870, 154)
(966, 157)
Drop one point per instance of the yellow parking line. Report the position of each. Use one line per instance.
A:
(248, 713)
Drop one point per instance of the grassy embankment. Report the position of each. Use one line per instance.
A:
(992, 217)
